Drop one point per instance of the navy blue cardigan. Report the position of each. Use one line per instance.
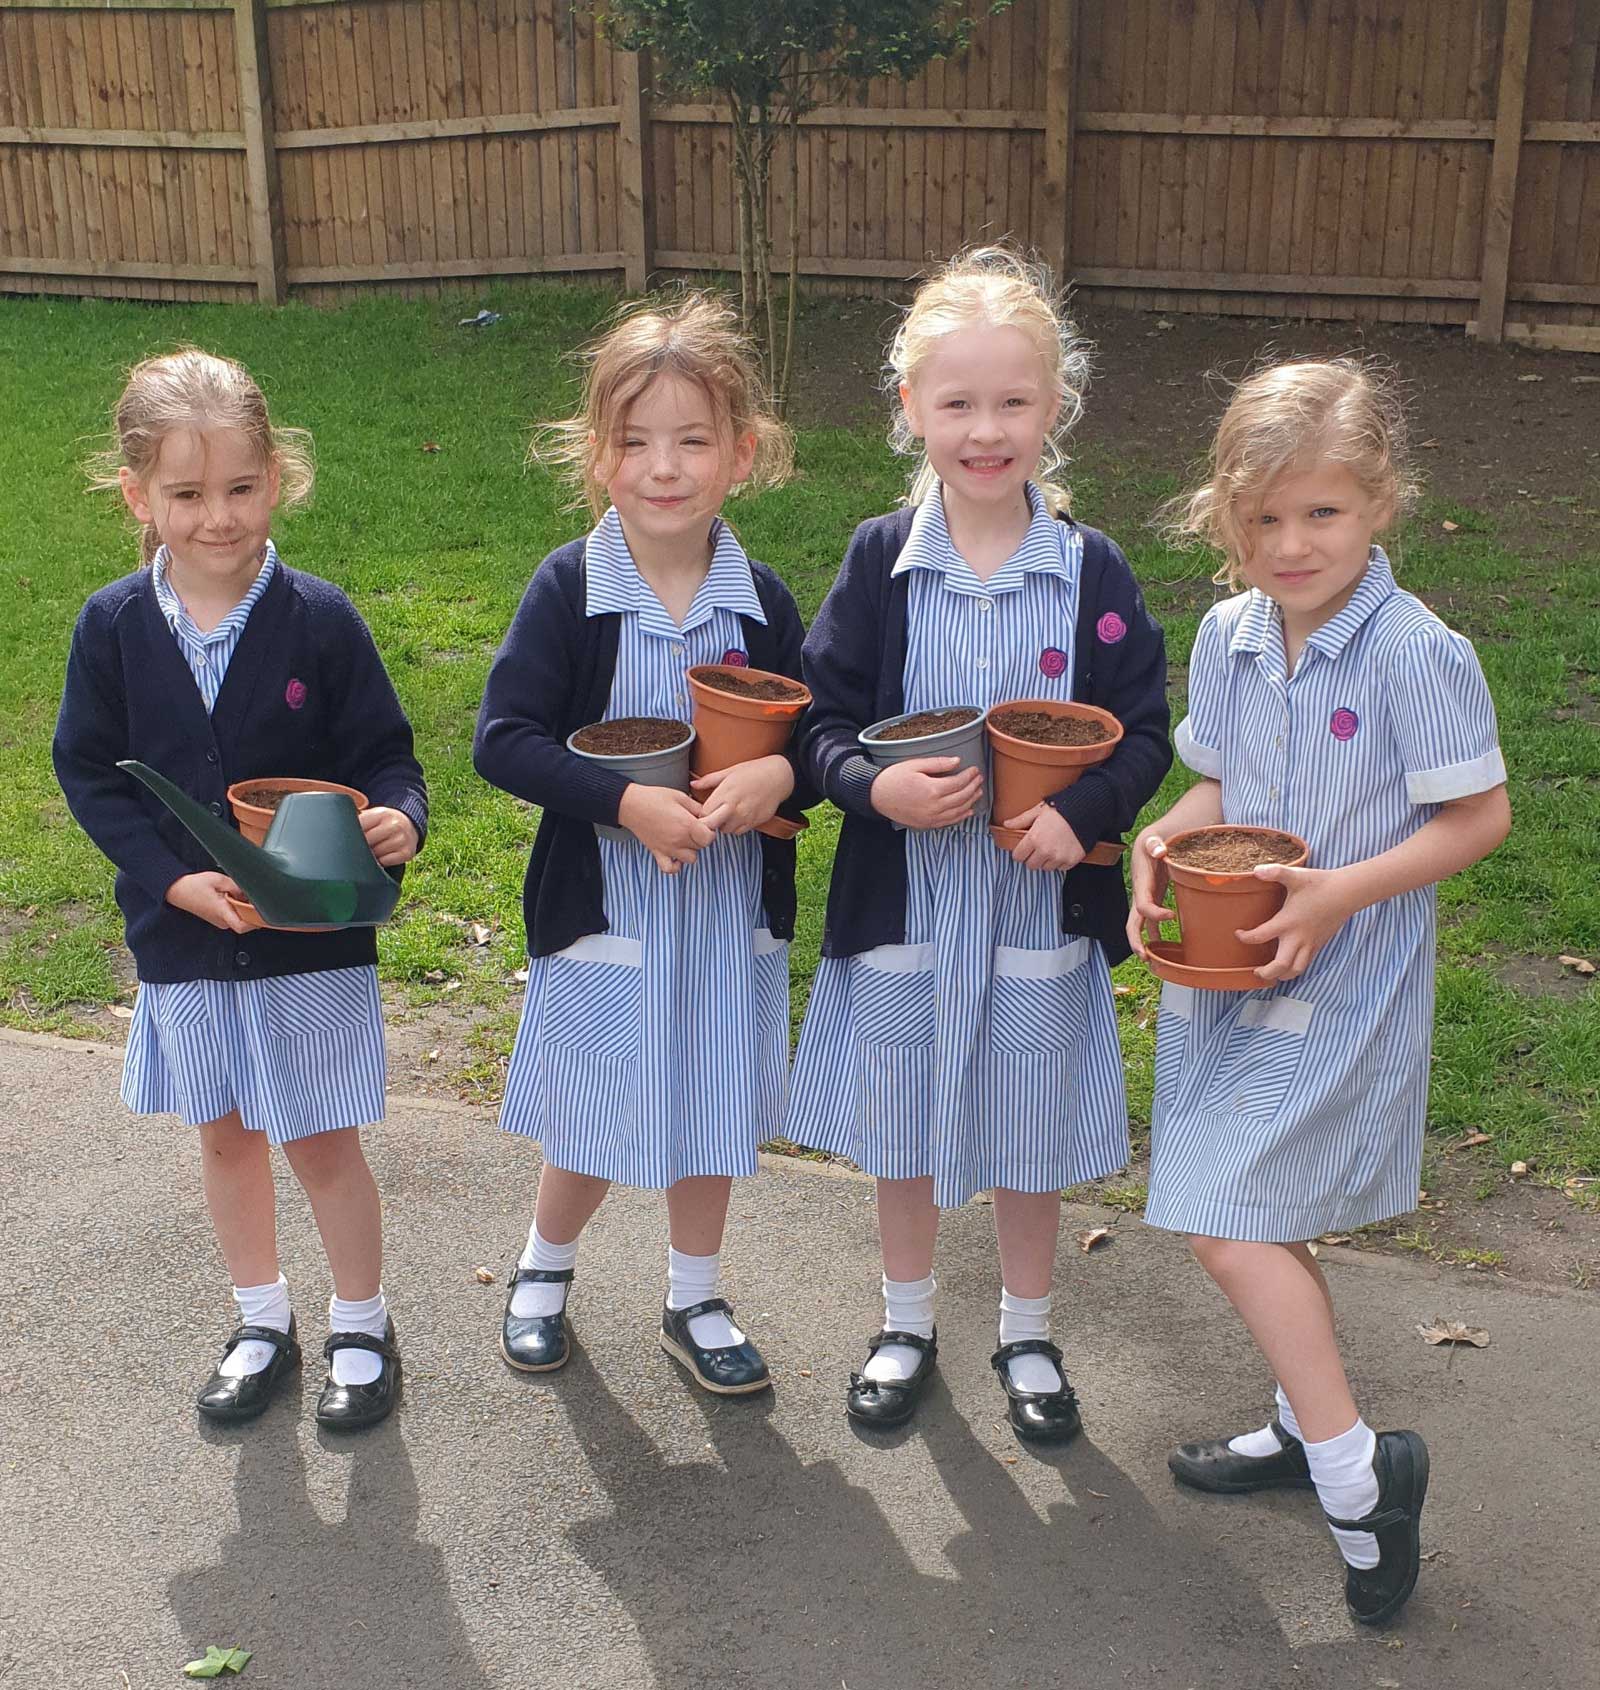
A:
(305, 694)
(553, 676)
(855, 667)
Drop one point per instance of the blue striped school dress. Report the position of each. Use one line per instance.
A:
(295, 1054)
(982, 1051)
(1297, 1110)
(658, 1050)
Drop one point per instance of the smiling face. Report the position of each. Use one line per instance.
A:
(670, 466)
(982, 403)
(1309, 542)
(210, 497)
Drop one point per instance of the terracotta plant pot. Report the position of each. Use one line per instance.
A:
(732, 727)
(255, 819)
(666, 767)
(964, 741)
(1215, 904)
(1024, 773)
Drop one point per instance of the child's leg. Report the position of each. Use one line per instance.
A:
(908, 1225)
(565, 1203)
(332, 1169)
(236, 1174)
(1282, 1297)
(697, 1213)
(1026, 1224)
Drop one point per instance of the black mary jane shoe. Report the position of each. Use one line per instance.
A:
(1041, 1417)
(892, 1402)
(1214, 1467)
(733, 1370)
(228, 1401)
(536, 1343)
(347, 1408)
(1375, 1594)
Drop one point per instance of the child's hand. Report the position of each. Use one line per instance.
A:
(1314, 910)
(1150, 877)
(1049, 842)
(744, 795)
(203, 895)
(391, 836)
(927, 792)
(666, 822)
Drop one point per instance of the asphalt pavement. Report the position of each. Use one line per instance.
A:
(610, 1526)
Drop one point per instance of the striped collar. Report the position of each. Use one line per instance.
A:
(1049, 547)
(615, 584)
(183, 624)
(1262, 618)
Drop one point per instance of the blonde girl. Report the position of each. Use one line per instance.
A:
(653, 1042)
(215, 662)
(961, 1034)
(1323, 700)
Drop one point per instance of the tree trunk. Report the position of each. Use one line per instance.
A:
(748, 297)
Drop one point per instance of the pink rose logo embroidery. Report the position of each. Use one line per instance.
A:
(1111, 628)
(1052, 662)
(736, 659)
(1343, 724)
(294, 695)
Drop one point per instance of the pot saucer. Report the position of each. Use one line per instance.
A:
(251, 917)
(780, 827)
(1166, 962)
(1102, 856)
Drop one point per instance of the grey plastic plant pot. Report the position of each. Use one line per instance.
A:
(966, 742)
(669, 767)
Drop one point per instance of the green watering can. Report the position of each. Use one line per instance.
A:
(315, 870)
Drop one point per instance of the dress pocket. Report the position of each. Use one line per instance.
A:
(892, 996)
(1174, 1020)
(1260, 1058)
(594, 998)
(1037, 1003)
(307, 1006)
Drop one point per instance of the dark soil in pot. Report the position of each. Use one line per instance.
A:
(1234, 850)
(628, 736)
(1039, 729)
(727, 680)
(928, 722)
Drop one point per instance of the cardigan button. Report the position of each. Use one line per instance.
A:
(215, 808)
(211, 756)
(1075, 911)
(241, 959)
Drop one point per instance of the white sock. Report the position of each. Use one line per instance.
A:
(1347, 1487)
(907, 1307)
(370, 1315)
(545, 1297)
(259, 1305)
(1028, 1317)
(1265, 1441)
(691, 1280)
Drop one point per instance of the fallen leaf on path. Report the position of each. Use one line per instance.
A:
(121, 1011)
(1470, 1140)
(1427, 443)
(1095, 1235)
(1454, 1332)
(1530, 378)
(479, 933)
(217, 1661)
(520, 976)
(1103, 1495)
(1578, 964)
(1583, 381)
(434, 976)
(1334, 1238)
(483, 1276)
(431, 1055)
(431, 446)
(1519, 1170)
(1165, 323)
(1449, 527)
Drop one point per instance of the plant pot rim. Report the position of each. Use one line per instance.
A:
(630, 756)
(1211, 880)
(868, 736)
(287, 784)
(1066, 756)
(714, 697)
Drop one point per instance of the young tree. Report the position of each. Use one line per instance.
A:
(773, 61)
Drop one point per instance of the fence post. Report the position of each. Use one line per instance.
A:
(633, 169)
(1502, 203)
(260, 155)
(1060, 116)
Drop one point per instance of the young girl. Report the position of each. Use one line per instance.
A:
(213, 663)
(654, 1038)
(1325, 701)
(961, 1034)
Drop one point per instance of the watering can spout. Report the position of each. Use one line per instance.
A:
(315, 869)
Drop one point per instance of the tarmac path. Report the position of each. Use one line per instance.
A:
(611, 1526)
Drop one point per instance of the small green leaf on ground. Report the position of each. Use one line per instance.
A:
(217, 1661)
(1454, 1332)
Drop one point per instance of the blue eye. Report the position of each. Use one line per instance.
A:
(1326, 510)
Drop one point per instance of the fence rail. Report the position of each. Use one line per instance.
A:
(1434, 160)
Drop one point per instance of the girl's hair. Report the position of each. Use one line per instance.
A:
(1003, 288)
(1292, 415)
(696, 336)
(191, 389)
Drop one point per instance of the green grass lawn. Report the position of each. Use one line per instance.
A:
(435, 549)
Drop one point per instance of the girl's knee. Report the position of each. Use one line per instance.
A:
(228, 1139)
(1221, 1256)
(325, 1156)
